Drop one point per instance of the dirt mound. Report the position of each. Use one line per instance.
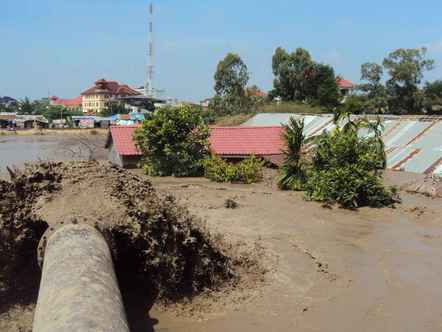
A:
(430, 186)
(154, 239)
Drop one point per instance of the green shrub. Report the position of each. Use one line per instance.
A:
(346, 170)
(174, 142)
(247, 171)
(293, 170)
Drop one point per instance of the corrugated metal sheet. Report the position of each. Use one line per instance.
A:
(413, 144)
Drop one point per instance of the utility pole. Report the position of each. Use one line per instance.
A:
(149, 87)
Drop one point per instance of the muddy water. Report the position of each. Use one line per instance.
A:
(15, 151)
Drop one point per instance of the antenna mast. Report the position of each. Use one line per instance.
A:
(149, 88)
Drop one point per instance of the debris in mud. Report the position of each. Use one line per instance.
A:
(419, 211)
(155, 241)
(321, 266)
(231, 204)
(430, 186)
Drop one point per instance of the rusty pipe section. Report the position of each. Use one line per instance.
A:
(79, 290)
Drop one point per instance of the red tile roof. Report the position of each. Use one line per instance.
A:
(345, 84)
(76, 102)
(111, 88)
(244, 141)
(264, 142)
(123, 140)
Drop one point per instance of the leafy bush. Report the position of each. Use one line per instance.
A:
(346, 170)
(293, 170)
(174, 141)
(247, 171)
(343, 167)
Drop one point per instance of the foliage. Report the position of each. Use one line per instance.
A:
(299, 78)
(289, 107)
(247, 171)
(343, 168)
(293, 173)
(58, 112)
(233, 120)
(346, 168)
(355, 104)
(231, 80)
(376, 99)
(402, 93)
(433, 96)
(25, 106)
(406, 68)
(115, 107)
(174, 141)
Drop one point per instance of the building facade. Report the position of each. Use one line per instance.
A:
(97, 99)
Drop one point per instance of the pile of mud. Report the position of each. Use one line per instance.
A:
(430, 186)
(20, 228)
(154, 239)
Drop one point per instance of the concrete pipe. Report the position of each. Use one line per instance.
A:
(79, 290)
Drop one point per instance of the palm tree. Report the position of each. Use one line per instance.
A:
(293, 173)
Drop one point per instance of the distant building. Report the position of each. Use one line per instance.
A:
(206, 102)
(345, 86)
(25, 121)
(97, 99)
(74, 104)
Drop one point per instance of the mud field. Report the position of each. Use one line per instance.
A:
(319, 269)
(330, 269)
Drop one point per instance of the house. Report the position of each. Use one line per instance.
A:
(23, 121)
(7, 119)
(97, 99)
(345, 86)
(236, 143)
(122, 149)
(31, 121)
(74, 104)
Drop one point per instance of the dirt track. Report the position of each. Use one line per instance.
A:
(331, 270)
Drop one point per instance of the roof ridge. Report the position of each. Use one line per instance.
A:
(246, 127)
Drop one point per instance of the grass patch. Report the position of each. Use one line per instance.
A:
(233, 120)
(290, 107)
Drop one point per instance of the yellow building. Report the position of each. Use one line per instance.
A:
(97, 99)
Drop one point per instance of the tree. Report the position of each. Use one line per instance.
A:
(291, 72)
(293, 172)
(299, 78)
(25, 106)
(374, 90)
(346, 168)
(174, 141)
(231, 79)
(433, 96)
(406, 69)
(322, 88)
(115, 107)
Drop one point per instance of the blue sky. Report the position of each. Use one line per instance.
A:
(62, 46)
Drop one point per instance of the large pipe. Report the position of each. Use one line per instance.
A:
(79, 290)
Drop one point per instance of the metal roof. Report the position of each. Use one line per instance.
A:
(413, 144)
